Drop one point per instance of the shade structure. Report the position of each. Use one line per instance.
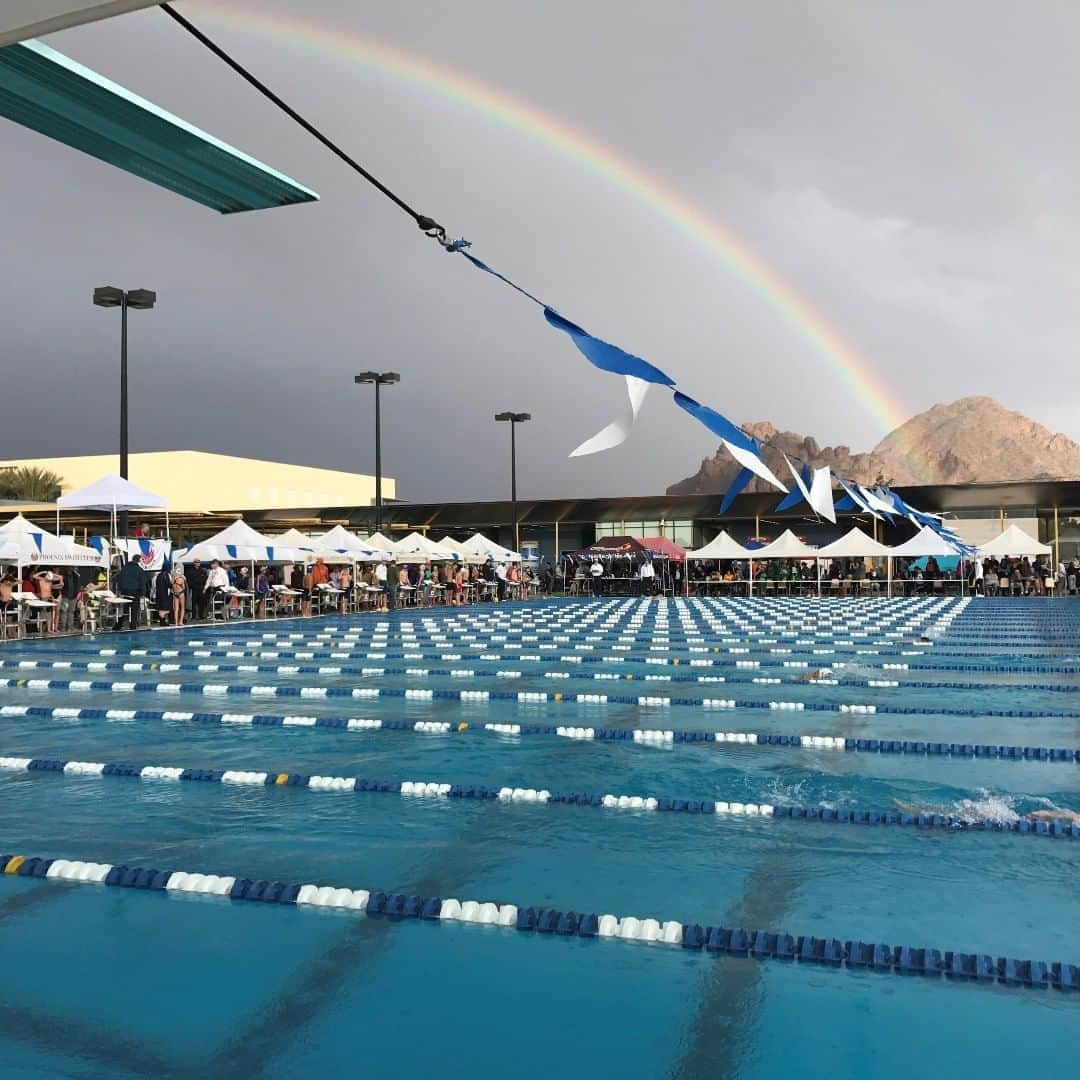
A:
(1012, 541)
(854, 544)
(21, 19)
(721, 547)
(786, 546)
(480, 545)
(50, 93)
(33, 546)
(456, 545)
(417, 548)
(111, 493)
(660, 547)
(924, 543)
(339, 539)
(241, 543)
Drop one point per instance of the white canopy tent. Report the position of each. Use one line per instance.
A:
(854, 544)
(339, 539)
(480, 545)
(1013, 541)
(239, 542)
(786, 546)
(925, 542)
(417, 548)
(459, 547)
(111, 494)
(380, 543)
(720, 547)
(33, 546)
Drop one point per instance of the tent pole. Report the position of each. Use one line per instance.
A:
(817, 560)
(1057, 542)
(888, 575)
(751, 561)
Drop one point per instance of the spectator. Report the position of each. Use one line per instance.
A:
(69, 596)
(196, 578)
(134, 586)
(216, 580)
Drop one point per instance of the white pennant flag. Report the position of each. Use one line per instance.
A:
(749, 460)
(617, 431)
(820, 497)
(873, 503)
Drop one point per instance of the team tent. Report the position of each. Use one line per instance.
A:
(416, 548)
(480, 546)
(721, 546)
(459, 547)
(340, 540)
(854, 544)
(1013, 542)
(239, 542)
(29, 545)
(924, 543)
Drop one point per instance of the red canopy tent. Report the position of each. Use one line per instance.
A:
(662, 547)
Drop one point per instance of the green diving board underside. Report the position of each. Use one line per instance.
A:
(52, 94)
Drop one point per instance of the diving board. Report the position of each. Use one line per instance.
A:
(50, 93)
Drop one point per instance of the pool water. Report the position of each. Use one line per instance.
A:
(120, 981)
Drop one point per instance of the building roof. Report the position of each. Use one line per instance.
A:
(196, 482)
(22, 19)
(54, 95)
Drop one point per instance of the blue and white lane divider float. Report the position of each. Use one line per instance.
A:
(535, 796)
(529, 696)
(796, 674)
(642, 736)
(760, 944)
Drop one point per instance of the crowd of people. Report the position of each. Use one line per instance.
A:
(193, 592)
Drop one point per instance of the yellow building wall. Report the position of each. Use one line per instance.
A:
(195, 482)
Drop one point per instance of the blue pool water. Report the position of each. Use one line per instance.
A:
(114, 982)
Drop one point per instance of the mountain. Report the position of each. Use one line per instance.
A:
(971, 440)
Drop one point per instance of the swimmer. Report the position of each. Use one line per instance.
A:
(816, 676)
(1068, 817)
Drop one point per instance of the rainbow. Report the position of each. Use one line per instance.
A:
(716, 239)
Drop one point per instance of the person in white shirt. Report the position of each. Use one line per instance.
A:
(500, 581)
(647, 573)
(216, 580)
(597, 572)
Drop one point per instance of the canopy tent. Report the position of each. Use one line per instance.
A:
(1012, 541)
(456, 545)
(660, 547)
(786, 546)
(721, 547)
(111, 494)
(612, 548)
(854, 544)
(925, 542)
(239, 542)
(480, 546)
(378, 542)
(340, 540)
(417, 548)
(33, 546)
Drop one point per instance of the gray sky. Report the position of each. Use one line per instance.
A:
(908, 170)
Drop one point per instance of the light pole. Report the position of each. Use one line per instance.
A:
(140, 300)
(378, 380)
(514, 418)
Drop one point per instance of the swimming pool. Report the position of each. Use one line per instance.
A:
(839, 771)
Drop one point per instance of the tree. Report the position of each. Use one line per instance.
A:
(881, 480)
(30, 484)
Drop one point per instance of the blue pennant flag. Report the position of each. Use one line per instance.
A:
(231, 550)
(605, 356)
(795, 496)
(737, 485)
(715, 422)
(846, 503)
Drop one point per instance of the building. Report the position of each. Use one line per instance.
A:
(1046, 509)
(193, 482)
